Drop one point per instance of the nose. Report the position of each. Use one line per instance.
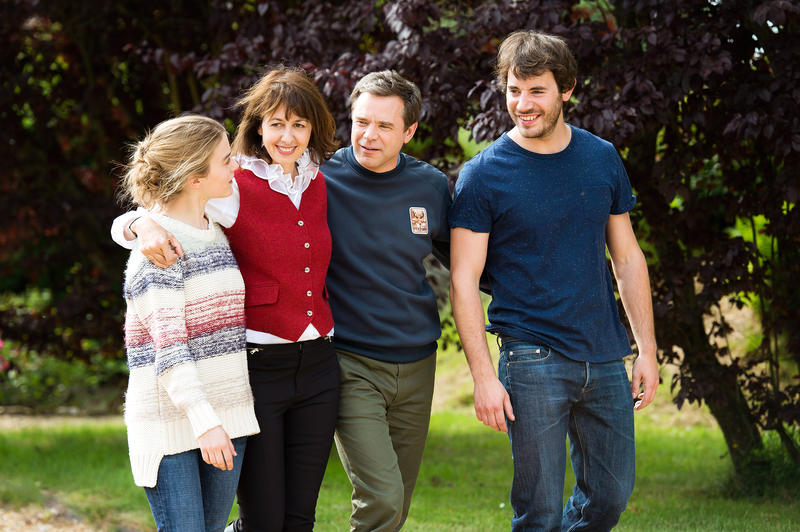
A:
(525, 101)
(370, 132)
(286, 134)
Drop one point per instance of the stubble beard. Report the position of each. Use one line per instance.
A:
(549, 120)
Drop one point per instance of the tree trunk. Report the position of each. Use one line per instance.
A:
(703, 377)
(722, 393)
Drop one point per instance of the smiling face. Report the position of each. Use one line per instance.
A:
(535, 104)
(285, 138)
(218, 181)
(378, 132)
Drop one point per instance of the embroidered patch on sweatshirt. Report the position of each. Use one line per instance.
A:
(419, 220)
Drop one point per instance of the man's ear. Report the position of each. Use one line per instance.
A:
(409, 133)
(565, 96)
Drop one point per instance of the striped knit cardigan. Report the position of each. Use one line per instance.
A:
(185, 340)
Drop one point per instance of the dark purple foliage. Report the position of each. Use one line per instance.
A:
(701, 98)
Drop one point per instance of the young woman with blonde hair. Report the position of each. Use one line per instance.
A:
(188, 405)
(276, 221)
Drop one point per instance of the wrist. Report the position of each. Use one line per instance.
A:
(485, 376)
(647, 352)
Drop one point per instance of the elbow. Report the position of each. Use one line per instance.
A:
(632, 261)
(461, 284)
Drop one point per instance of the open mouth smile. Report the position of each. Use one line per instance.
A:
(528, 119)
(284, 150)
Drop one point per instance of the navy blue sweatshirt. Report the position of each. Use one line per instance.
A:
(383, 225)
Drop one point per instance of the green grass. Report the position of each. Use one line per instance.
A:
(463, 486)
(683, 474)
(84, 466)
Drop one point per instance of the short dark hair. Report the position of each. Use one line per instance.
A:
(529, 53)
(390, 83)
(293, 88)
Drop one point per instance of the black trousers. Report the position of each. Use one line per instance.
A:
(296, 391)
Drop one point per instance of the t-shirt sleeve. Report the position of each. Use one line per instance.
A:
(445, 201)
(440, 239)
(471, 207)
(624, 198)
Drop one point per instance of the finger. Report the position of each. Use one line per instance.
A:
(500, 422)
(219, 460)
(637, 401)
(156, 257)
(485, 420)
(636, 382)
(649, 394)
(205, 456)
(227, 460)
(176, 246)
(170, 255)
(480, 411)
(509, 410)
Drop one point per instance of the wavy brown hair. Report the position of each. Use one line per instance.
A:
(293, 88)
(529, 53)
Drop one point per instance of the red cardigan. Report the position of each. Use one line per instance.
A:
(283, 254)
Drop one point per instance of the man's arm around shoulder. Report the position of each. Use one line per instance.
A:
(156, 243)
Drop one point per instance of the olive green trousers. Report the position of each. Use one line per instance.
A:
(384, 413)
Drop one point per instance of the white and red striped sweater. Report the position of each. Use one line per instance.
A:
(185, 341)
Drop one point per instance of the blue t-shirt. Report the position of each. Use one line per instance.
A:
(383, 225)
(546, 217)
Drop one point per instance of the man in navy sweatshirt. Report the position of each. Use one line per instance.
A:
(386, 211)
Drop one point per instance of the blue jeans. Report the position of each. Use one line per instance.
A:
(552, 397)
(191, 495)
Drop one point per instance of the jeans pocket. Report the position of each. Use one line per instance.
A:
(525, 354)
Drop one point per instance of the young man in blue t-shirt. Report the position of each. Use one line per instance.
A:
(538, 208)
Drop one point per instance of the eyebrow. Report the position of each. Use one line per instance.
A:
(294, 118)
(535, 87)
(365, 119)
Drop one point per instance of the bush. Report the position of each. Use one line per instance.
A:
(44, 384)
(769, 472)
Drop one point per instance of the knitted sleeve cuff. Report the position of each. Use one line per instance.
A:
(202, 417)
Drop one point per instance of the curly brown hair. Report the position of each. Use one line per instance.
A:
(293, 88)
